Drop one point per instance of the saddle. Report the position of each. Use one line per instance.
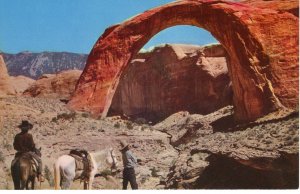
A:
(82, 162)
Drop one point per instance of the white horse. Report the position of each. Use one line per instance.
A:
(65, 171)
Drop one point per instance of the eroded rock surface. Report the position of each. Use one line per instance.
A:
(60, 85)
(171, 78)
(12, 85)
(263, 154)
(262, 44)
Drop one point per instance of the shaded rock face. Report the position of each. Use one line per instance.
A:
(34, 65)
(263, 154)
(218, 171)
(262, 45)
(60, 86)
(171, 78)
(10, 85)
(227, 173)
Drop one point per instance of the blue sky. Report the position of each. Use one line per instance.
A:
(75, 25)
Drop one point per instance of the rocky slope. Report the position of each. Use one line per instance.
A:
(171, 78)
(57, 130)
(185, 151)
(215, 153)
(34, 65)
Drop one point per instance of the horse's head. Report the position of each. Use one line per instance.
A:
(112, 161)
(38, 151)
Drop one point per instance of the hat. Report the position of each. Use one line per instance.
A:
(123, 144)
(25, 125)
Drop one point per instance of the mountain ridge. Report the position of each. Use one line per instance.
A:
(34, 65)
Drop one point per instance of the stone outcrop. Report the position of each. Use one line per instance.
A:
(61, 85)
(262, 44)
(12, 85)
(172, 78)
(263, 154)
(3, 68)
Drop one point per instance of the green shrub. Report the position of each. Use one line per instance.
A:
(129, 125)
(54, 119)
(67, 116)
(117, 125)
(154, 172)
(106, 173)
(85, 115)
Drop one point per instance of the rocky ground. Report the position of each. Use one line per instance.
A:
(183, 151)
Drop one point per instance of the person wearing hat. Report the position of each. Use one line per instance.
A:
(23, 143)
(129, 163)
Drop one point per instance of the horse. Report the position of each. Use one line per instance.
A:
(23, 171)
(65, 171)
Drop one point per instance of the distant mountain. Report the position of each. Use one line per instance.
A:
(34, 65)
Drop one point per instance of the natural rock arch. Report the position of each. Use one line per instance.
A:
(262, 45)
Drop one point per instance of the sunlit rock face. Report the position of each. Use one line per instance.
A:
(172, 78)
(12, 85)
(60, 85)
(262, 44)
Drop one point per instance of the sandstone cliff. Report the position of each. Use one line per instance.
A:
(262, 42)
(171, 78)
(60, 85)
(11, 85)
(3, 68)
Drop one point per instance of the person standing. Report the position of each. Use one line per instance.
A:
(129, 163)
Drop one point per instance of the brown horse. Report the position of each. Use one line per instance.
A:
(23, 172)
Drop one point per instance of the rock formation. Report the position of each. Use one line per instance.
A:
(3, 68)
(261, 155)
(61, 85)
(10, 85)
(262, 44)
(171, 78)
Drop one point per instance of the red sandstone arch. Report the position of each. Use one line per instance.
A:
(262, 45)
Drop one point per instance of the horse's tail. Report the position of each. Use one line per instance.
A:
(56, 176)
(15, 173)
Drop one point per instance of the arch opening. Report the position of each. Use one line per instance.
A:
(256, 82)
(169, 74)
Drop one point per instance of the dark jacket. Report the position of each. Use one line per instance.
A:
(23, 142)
